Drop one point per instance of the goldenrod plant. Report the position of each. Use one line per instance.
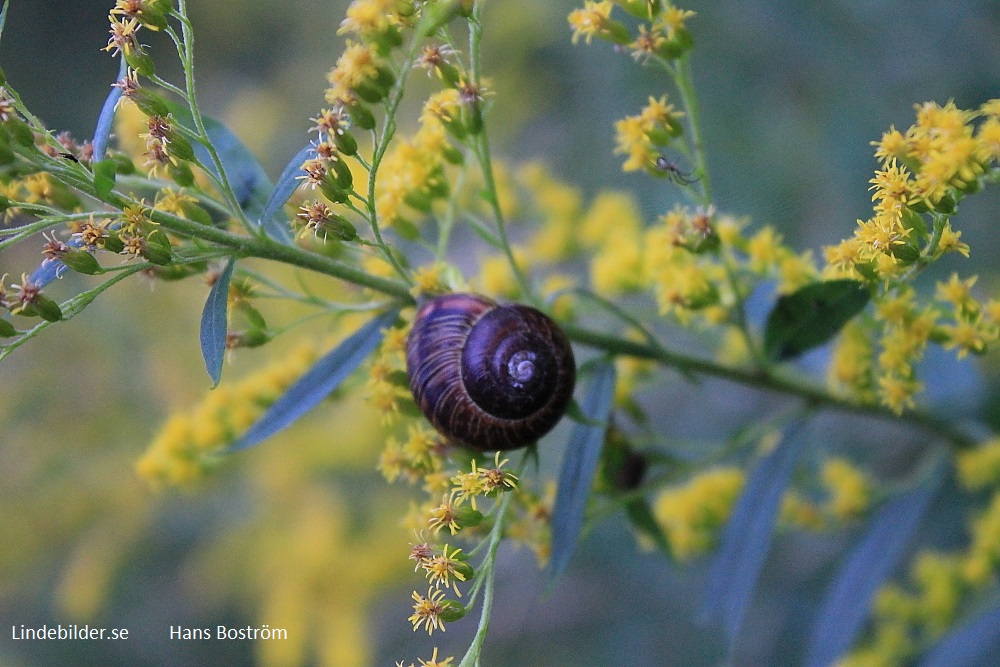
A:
(384, 221)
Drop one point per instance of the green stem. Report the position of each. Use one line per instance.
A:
(940, 221)
(450, 215)
(382, 145)
(482, 149)
(488, 571)
(685, 86)
(264, 248)
(187, 32)
(679, 469)
(739, 312)
(770, 381)
(24, 231)
(71, 307)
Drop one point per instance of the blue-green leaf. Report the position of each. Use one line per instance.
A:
(974, 644)
(283, 189)
(317, 383)
(812, 315)
(583, 451)
(107, 117)
(3, 16)
(848, 601)
(247, 178)
(213, 323)
(746, 539)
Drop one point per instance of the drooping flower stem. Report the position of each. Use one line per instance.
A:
(488, 570)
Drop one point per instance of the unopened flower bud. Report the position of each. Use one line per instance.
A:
(467, 517)
(112, 242)
(247, 339)
(451, 610)
(178, 146)
(342, 228)
(140, 61)
(345, 143)
(157, 249)
(345, 178)
(81, 261)
(149, 103)
(905, 253)
(361, 116)
(369, 91)
(46, 308)
(181, 173)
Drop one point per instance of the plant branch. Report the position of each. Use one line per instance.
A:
(770, 381)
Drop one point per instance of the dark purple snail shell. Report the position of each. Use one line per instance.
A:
(488, 376)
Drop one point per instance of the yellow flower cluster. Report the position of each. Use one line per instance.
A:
(664, 36)
(691, 514)
(591, 20)
(357, 65)
(496, 277)
(925, 172)
(530, 526)
(641, 138)
(690, 261)
(980, 467)
(387, 388)
(847, 491)
(190, 442)
(412, 173)
(850, 369)
(612, 227)
(904, 621)
(971, 326)
(370, 19)
(281, 562)
(864, 367)
(558, 206)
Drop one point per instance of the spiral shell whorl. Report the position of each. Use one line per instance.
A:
(487, 376)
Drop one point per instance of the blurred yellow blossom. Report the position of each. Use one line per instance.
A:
(848, 489)
(980, 467)
(692, 513)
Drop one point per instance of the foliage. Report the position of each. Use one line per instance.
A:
(165, 192)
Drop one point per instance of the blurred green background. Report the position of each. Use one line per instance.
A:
(791, 92)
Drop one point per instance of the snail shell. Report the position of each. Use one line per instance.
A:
(488, 376)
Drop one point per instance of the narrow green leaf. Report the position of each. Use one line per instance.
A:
(104, 177)
(811, 316)
(847, 602)
(583, 451)
(317, 383)
(214, 323)
(746, 539)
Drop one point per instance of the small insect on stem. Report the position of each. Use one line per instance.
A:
(672, 171)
